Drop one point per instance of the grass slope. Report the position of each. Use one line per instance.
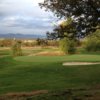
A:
(60, 59)
(48, 74)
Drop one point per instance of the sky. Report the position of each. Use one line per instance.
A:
(24, 17)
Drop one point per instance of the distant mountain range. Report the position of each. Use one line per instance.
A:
(21, 36)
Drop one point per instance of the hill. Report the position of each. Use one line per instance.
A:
(22, 36)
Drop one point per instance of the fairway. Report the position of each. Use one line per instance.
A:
(67, 58)
(23, 74)
(50, 50)
(29, 73)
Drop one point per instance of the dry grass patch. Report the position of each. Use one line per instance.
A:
(48, 53)
(16, 95)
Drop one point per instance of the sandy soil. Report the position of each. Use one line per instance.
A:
(19, 94)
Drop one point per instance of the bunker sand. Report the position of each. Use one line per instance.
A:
(79, 63)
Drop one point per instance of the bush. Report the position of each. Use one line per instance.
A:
(93, 42)
(16, 48)
(54, 43)
(67, 46)
(64, 45)
(93, 45)
(5, 42)
(42, 42)
(72, 47)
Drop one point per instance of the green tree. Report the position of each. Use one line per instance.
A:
(67, 44)
(85, 15)
(60, 30)
(16, 48)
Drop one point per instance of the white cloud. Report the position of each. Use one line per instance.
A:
(24, 16)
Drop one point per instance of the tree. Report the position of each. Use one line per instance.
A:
(85, 15)
(60, 30)
(16, 48)
(67, 44)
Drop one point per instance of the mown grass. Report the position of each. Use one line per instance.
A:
(60, 59)
(29, 73)
(17, 76)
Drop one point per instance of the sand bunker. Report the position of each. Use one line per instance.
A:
(79, 63)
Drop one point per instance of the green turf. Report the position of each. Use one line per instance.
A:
(67, 58)
(28, 73)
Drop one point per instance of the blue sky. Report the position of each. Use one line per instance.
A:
(24, 16)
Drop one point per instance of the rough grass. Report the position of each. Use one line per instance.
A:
(4, 51)
(36, 50)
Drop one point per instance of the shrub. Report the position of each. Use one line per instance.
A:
(64, 43)
(5, 42)
(72, 47)
(16, 48)
(42, 42)
(67, 46)
(93, 45)
(93, 42)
